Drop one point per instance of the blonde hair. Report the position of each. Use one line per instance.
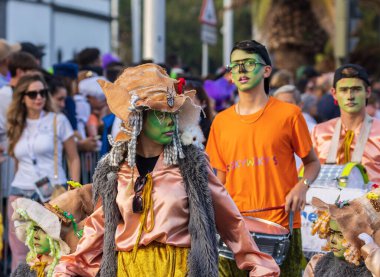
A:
(17, 112)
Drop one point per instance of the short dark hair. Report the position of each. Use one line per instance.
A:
(55, 83)
(351, 71)
(23, 61)
(88, 56)
(113, 70)
(254, 47)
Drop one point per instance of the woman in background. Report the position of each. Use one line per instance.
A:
(58, 94)
(37, 137)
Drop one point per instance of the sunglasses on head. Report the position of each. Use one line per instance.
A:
(32, 94)
(138, 202)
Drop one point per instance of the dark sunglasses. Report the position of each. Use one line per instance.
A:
(138, 202)
(32, 94)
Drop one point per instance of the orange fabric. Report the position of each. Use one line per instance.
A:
(257, 153)
(322, 135)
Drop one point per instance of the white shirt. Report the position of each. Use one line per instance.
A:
(37, 143)
(310, 121)
(115, 127)
(83, 112)
(5, 100)
(377, 114)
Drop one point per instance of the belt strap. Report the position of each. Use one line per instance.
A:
(291, 214)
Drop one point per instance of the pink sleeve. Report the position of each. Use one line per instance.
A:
(231, 227)
(85, 261)
(314, 140)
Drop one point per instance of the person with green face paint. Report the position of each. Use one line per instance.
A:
(40, 229)
(352, 238)
(159, 203)
(252, 146)
(354, 136)
(50, 231)
(159, 127)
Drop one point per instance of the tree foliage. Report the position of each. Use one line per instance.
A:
(183, 32)
(296, 31)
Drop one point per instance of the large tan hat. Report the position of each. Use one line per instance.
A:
(360, 215)
(72, 208)
(146, 87)
(7, 49)
(45, 219)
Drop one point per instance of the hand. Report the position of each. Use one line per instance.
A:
(296, 198)
(88, 144)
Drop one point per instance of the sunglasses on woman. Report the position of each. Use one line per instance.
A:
(32, 94)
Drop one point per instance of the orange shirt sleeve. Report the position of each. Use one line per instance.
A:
(301, 140)
(213, 148)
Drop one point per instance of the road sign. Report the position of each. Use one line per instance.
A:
(208, 13)
(208, 34)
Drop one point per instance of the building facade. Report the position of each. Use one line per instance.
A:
(62, 27)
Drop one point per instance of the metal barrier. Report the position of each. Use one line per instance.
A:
(7, 171)
(88, 161)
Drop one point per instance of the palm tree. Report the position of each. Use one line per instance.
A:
(294, 30)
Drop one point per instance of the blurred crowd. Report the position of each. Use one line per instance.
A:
(49, 113)
(75, 92)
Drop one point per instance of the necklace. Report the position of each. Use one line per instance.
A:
(254, 120)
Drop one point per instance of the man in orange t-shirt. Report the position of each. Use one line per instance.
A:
(252, 145)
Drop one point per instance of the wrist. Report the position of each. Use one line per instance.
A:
(305, 182)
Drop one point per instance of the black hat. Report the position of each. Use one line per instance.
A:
(351, 71)
(66, 70)
(32, 49)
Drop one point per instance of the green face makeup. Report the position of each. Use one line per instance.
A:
(351, 95)
(159, 127)
(41, 242)
(246, 81)
(336, 239)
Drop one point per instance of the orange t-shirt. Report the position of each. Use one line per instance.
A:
(257, 153)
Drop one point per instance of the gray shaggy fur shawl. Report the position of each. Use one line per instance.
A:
(203, 256)
(330, 266)
(23, 270)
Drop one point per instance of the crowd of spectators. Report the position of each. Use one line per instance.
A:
(75, 92)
